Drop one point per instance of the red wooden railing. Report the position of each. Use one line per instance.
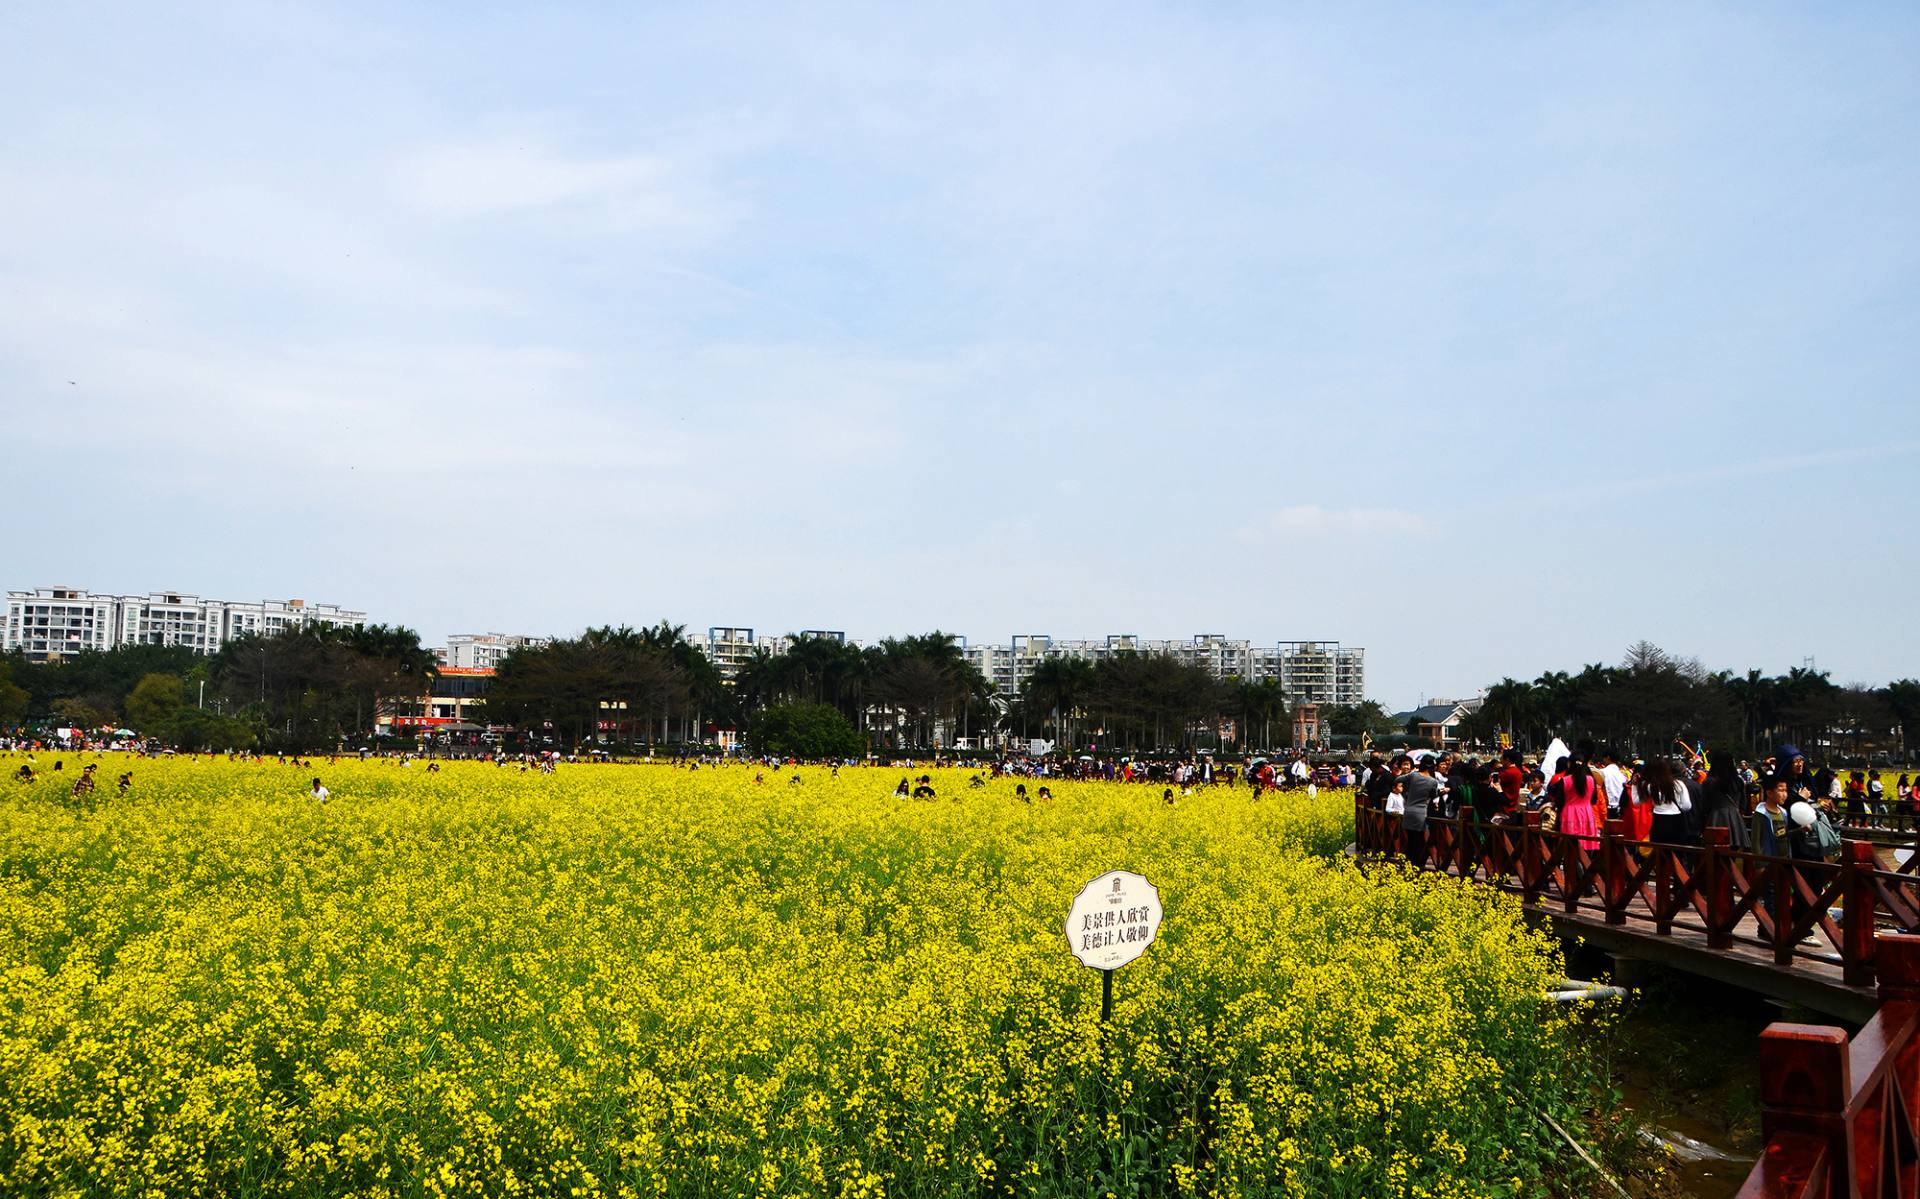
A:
(1730, 896)
(1839, 1116)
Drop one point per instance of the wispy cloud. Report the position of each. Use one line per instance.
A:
(1315, 520)
(525, 173)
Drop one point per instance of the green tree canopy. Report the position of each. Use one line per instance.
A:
(806, 731)
(154, 702)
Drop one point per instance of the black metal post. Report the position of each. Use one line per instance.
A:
(1106, 996)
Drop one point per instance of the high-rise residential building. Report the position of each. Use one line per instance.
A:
(482, 651)
(58, 622)
(1322, 672)
(727, 648)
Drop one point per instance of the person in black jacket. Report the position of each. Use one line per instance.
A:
(1723, 801)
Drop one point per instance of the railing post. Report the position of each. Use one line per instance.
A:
(1662, 891)
(1716, 882)
(1856, 931)
(1786, 897)
(1804, 1087)
(1896, 960)
(1466, 850)
(1613, 861)
(1529, 867)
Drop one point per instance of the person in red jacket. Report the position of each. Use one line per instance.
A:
(1511, 780)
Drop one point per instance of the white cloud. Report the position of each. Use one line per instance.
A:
(517, 174)
(1313, 519)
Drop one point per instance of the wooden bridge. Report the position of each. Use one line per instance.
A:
(1841, 938)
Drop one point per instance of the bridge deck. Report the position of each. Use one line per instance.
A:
(1813, 981)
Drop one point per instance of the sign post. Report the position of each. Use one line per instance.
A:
(1112, 921)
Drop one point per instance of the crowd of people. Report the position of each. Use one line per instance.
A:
(1671, 799)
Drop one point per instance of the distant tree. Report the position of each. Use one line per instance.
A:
(203, 729)
(1056, 686)
(919, 682)
(1260, 707)
(81, 714)
(1156, 701)
(13, 697)
(1365, 717)
(807, 731)
(621, 678)
(1902, 698)
(154, 702)
(305, 688)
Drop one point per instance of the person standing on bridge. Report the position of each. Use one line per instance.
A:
(1790, 764)
(1575, 795)
(1723, 802)
(1612, 779)
(1511, 779)
(1670, 804)
(1419, 789)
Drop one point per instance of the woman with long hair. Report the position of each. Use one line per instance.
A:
(1723, 800)
(1670, 803)
(1577, 797)
(1636, 808)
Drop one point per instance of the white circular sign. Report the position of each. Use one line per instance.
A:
(1113, 920)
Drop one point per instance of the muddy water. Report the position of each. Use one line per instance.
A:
(1684, 1053)
(1706, 1165)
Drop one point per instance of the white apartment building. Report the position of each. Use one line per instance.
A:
(1323, 672)
(482, 651)
(59, 622)
(728, 648)
(54, 622)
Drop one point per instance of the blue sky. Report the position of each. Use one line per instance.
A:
(1491, 338)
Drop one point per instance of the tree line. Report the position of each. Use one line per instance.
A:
(1653, 696)
(304, 688)
(315, 687)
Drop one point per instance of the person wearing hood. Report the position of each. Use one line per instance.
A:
(1790, 764)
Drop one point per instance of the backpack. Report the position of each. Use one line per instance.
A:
(1826, 838)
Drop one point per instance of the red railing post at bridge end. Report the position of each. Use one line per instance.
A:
(1805, 1082)
(1716, 883)
(1856, 932)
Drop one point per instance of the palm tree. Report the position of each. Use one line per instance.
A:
(1514, 700)
(1058, 684)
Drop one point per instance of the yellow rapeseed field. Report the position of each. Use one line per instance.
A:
(640, 980)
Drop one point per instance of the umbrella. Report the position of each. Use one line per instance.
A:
(1258, 762)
